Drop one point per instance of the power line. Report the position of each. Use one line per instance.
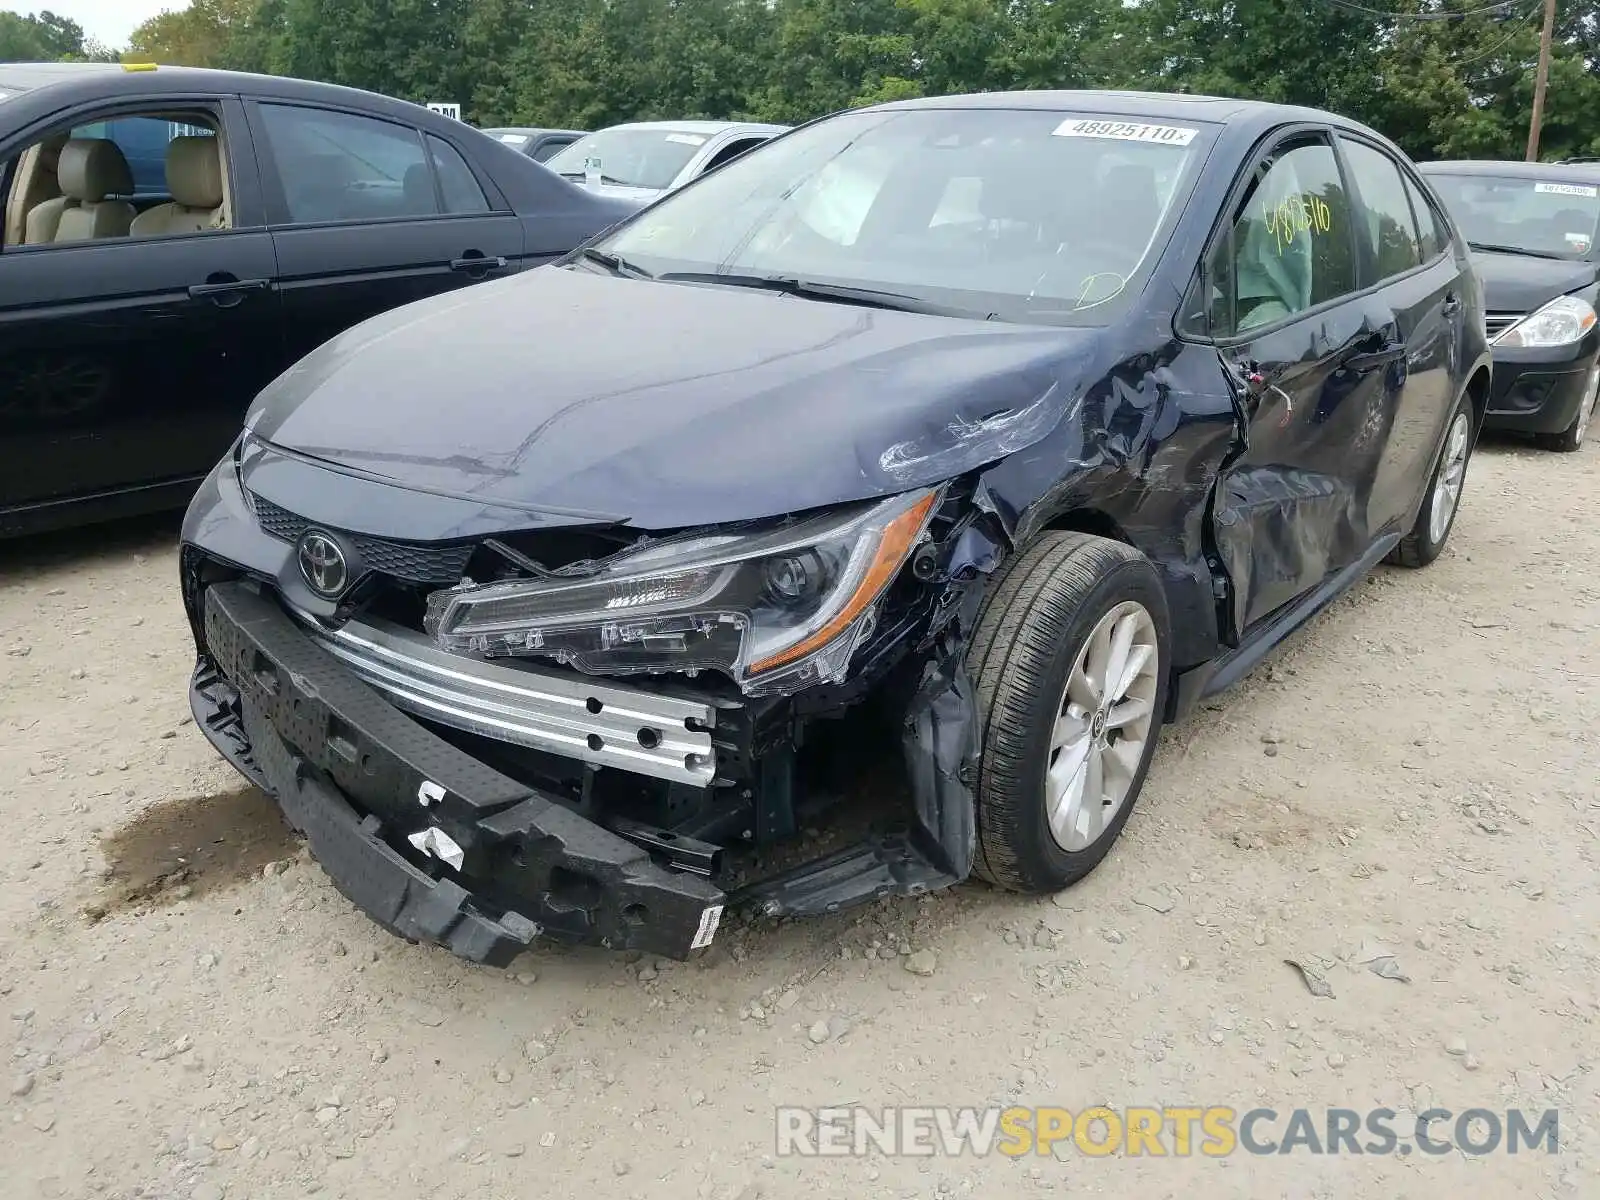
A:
(1391, 15)
(1500, 45)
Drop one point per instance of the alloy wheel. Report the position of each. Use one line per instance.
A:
(1105, 720)
(1452, 474)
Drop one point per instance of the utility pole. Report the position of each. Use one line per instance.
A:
(1541, 79)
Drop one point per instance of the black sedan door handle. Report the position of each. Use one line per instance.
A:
(1377, 358)
(470, 262)
(225, 290)
(1452, 304)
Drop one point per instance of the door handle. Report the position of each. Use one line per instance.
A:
(225, 291)
(1376, 358)
(1452, 304)
(469, 263)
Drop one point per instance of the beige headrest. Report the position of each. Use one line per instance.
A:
(92, 169)
(194, 172)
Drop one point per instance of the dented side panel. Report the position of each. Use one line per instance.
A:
(1140, 460)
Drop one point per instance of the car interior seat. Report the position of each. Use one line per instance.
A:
(44, 203)
(194, 178)
(94, 172)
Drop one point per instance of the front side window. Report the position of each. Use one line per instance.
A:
(341, 167)
(127, 176)
(1390, 231)
(1548, 218)
(1021, 215)
(1289, 247)
(646, 158)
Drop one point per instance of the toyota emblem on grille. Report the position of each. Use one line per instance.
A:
(322, 563)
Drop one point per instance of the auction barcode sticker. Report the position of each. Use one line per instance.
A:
(1567, 189)
(1126, 131)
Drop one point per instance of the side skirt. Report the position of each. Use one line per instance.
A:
(1210, 678)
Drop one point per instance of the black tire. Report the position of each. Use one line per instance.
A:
(1571, 439)
(1419, 547)
(1035, 620)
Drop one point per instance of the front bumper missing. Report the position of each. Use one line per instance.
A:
(362, 780)
(665, 737)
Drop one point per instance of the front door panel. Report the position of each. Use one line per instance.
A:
(1292, 509)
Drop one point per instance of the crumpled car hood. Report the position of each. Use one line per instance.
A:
(667, 405)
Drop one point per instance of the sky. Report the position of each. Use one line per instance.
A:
(106, 21)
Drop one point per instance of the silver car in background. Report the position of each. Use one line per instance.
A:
(645, 159)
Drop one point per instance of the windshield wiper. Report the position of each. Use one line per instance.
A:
(1494, 249)
(813, 289)
(614, 263)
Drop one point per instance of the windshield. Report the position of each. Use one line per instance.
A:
(647, 158)
(1019, 215)
(1540, 216)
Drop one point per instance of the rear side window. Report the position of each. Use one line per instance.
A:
(1289, 248)
(341, 167)
(1389, 229)
(457, 184)
(1433, 230)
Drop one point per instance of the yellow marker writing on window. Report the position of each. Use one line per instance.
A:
(1295, 215)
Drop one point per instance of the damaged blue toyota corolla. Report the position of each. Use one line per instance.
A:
(1021, 421)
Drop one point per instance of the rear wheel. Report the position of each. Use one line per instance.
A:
(1438, 516)
(1571, 438)
(1070, 663)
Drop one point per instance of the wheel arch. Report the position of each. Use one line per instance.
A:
(1478, 390)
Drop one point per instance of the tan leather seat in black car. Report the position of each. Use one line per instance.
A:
(194, 177)
(91, 171)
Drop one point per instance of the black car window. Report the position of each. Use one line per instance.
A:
(341, 167)
(1433, 230)
(1288, 249)
(1389, 229)
(732, 151)
(549, 149)
(457, 184)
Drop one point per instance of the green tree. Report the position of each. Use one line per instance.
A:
(43, 37)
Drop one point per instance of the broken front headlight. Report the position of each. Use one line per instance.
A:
(776, 610)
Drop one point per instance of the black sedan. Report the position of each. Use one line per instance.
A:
(173, 239)
(1008, 426)
(1533, 231)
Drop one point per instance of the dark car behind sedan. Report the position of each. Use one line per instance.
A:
(173, 239)
(538, 144)
(1003, 428)
(1533, 228)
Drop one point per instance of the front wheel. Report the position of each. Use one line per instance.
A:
(1427, 537)
(1070, 660)
(1571, 438)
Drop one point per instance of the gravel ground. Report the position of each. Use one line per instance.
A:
(194, 1011)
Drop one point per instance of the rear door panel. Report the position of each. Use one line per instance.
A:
(336, 269)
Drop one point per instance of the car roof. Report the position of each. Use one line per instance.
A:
(1221, 110)
(73, 82)
(707, 127)
(1511, 167)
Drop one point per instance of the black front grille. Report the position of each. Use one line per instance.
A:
(412, 562)
(1496, 323)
